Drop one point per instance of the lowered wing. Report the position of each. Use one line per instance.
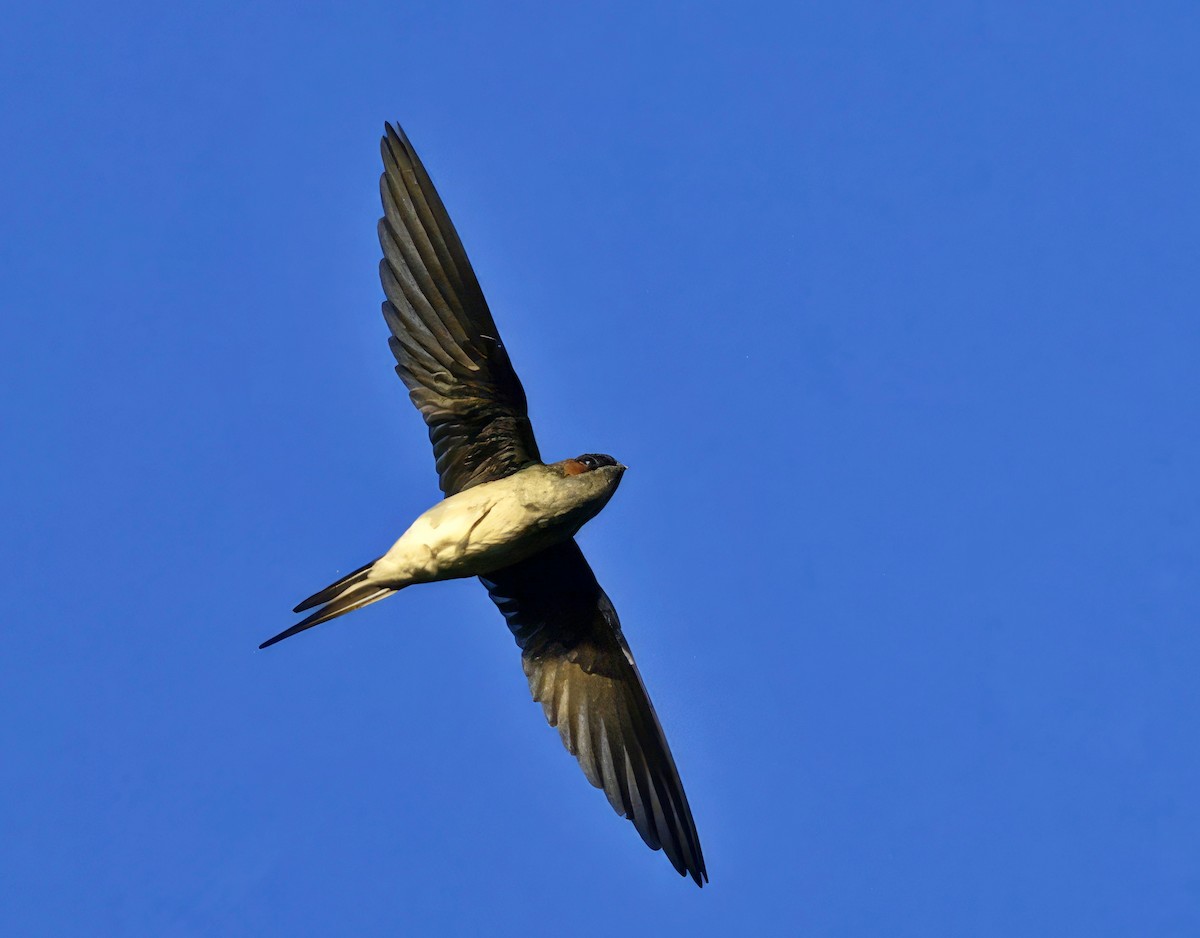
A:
(581, 671)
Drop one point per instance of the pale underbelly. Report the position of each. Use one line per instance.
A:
(443, 545)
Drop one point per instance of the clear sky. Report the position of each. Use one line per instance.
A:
(892, 310)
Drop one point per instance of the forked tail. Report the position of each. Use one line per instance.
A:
(349, 593)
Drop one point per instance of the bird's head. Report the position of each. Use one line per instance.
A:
(590, 462)
(596, 472)
(593, 462)
(586, 484)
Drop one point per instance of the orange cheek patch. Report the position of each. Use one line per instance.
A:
(574, 467)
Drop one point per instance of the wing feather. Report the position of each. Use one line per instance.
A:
(448, 351)
(580, 669)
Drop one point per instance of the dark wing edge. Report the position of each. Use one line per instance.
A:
(448, 351)
(581, 670)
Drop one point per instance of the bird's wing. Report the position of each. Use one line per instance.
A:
(447, 348)
(581, 670)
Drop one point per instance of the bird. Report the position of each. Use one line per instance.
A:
(508, 518)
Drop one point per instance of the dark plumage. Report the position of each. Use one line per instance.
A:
(447, 347)
(581, 671)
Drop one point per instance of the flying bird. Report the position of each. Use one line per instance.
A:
(509, 518)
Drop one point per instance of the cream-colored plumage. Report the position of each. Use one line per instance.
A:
(495, 524)
(479, 530)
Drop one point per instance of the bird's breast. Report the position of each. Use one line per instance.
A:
(487, 527)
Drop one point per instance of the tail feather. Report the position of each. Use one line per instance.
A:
(333, 589)
(354, 597)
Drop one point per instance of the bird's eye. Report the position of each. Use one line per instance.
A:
(590, 461)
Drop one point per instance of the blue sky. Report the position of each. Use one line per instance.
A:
(890, 308)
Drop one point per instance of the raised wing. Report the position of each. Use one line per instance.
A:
(448, 351)
(581, 670)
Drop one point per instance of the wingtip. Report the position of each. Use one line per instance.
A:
(396, 151)
(395, 131)
(697, 873)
